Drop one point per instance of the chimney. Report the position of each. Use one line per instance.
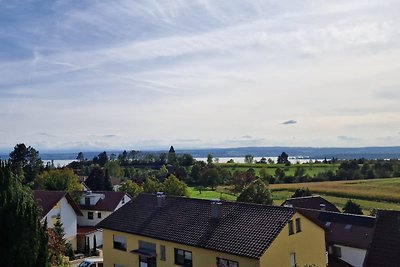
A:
(216, 209)
(322, 206)
(160, 199)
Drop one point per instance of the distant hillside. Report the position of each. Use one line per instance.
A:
(307, 152)
(311, 152)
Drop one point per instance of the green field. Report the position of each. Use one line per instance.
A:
(311, 169)
(369, 194)
(209, 194)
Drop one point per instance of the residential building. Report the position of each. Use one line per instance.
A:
(95, 206)
(169, 231)
(385, 247)
(310, 202)
(59, 206)
(347, 236)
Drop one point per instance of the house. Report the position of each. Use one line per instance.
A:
(95, 206)
(347, 236)
(58, 205)
(310, 202)
(385, 247)
(158, 230)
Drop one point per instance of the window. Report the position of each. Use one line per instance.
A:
(119, 242)
(87, 201)
(90, 215)
(183, 258)
(290, 225)
(117, 265)
(226, 263)
(99, 215)
(293, 260)
(123, 200)
(298, 225)
(162, 253)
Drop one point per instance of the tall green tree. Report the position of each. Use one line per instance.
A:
(248, 159)
(24, 239)
(257, 192)
(174, 187)
(99, 179)
(131, 188)
(172, 156)
(152, 186)
(59, 180)
(114, 169)
(25, 162)
(283, 158)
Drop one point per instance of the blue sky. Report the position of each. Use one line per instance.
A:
(208, 73)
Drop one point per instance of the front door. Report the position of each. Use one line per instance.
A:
(147, 261)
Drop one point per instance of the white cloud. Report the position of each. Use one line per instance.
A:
(208, 71)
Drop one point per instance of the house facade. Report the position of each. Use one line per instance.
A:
(95, 206)
(164, 231)
(59, 206)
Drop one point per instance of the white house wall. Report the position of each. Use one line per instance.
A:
(84, 221)
(121, 203)
(99, 239)
(353, 256)
(67, 216)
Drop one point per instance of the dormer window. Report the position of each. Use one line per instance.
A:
(87, 201)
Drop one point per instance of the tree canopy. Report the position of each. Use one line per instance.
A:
(174, 187)
(257, 192)
(24, 240)
(25, 162)
(131, 188)
(59, 180)
(352, 207)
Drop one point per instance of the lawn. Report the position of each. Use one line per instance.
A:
(209, 194)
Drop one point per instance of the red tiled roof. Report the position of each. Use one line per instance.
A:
(84, 230)
(311, 202)
(48, 199)
(109, 203)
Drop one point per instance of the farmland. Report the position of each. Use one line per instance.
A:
(369, 194)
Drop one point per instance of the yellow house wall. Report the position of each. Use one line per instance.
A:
(201, 257)
(308, 245)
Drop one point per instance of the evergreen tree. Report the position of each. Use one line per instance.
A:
(23, 238)
(25, 162)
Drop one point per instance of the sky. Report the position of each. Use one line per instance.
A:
(147, 74)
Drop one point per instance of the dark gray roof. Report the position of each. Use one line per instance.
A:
(385, 246)
(311, 202)
(243, 229)
(109, 203)
(343, 228)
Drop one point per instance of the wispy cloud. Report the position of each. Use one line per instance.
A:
(289, 122)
